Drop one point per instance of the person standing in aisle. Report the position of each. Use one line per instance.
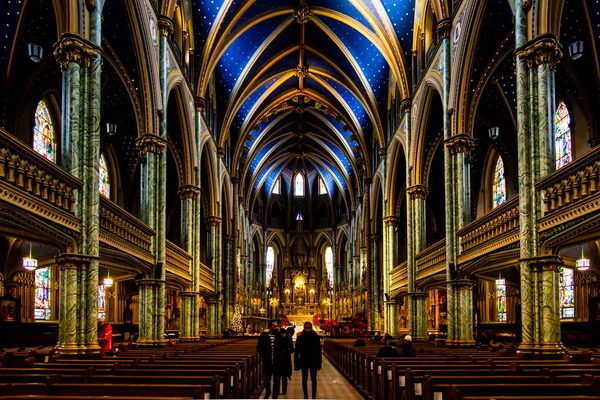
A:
(308, 358)
(272, 347)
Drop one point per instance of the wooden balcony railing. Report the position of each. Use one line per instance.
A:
(430, 258)
(123, 226)
(23, 168)
(500, 220)
(179, 261)
(207, 277)
(572, 183)
(399, 276)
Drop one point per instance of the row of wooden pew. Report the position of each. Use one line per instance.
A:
(462, 374)
(210, 370)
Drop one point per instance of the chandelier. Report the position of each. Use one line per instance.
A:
(583, 264)
(108, 282)
(30, 263)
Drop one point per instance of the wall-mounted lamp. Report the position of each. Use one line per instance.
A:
(576, 49)
(494, 132)
(111, 129)
(35, 52)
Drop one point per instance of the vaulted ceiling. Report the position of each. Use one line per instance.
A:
(303, 85)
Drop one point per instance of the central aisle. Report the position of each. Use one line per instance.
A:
(331, 385)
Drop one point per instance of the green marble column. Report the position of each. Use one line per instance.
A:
(213, 306)
(417, 301)
(391, 307)
(536, 61)
(463, 290)
(187, 302)
(375, 283)
(228, 282)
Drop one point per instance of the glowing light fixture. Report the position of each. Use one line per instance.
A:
(108, 282)
(35, 52)
(576, 49)
(30, 263)
(583, 264)
(494, 132)
(111, 129)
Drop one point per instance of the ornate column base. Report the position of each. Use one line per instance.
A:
(463, 314)
(213, 323)
(392, 317)
(418, 328)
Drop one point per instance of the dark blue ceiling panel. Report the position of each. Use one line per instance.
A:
(248, 105)
(401, 14)
(205, 14)
(344, 7)
(339, 154)
(355, 105)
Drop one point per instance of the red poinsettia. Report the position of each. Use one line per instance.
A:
(328, 325)
(359, 323)
(315, 320)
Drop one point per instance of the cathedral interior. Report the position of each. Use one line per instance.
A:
(196, 168)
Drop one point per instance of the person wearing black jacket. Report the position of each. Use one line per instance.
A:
(389, 350)
(273, 348)
(308, 357)
(286, 368)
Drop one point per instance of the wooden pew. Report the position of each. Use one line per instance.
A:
(459, 391)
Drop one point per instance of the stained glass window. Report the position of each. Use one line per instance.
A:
(103, 181)
(499, 185)
(562, 136)
(299, 185)
(501, 299)
(270, 263)
(42, 294)
(567, 293)
(329, 265)
(322, 187)
(101, 302)
(276, 187)
(44, 141)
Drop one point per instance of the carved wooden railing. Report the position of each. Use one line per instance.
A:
(500, 220)
(430, 260)
(572, 183)
(179, 261)
(23, 168)
(207, 277)
(124, 227)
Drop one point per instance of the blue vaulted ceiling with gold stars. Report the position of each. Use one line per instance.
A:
(302, 86)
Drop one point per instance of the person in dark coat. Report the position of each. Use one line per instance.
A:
(272, 347)
(308, 357)
(407, 350)
(286, 370)
(389, 350)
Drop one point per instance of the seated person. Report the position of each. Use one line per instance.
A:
(386, 338)
(407, 350)
(389, 350)
(359, 343)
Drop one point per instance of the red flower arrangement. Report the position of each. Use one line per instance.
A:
(315, 320)
(328, 325)
(359, 323)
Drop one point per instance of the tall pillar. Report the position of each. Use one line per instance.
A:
(364, 252)
(374, 288)
(151, 333)
(460, 321)
(80, 60)
(417, 301)
(536, 62)
(73, 324)
(213, 306)
(189, 195)
(228, 280)
(391, 307)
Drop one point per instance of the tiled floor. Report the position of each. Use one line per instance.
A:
(331, 385)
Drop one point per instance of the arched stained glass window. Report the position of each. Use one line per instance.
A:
(322, 187)
(276, 187)
(562, 136)
(567, 293)
(499, 185)
(44, 140)
(42, 294)
(103, 181)
(501, 299)
(101, 302)
(270, 264)
(299, 185)
(329, 265)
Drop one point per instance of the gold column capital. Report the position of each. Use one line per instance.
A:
(188, 192)
(165, 25)
(544, 49)
(461, 143)
(417, 191)
(150, 143)
(74, 261)
(391, 220)
(220, 152)
(199, 103)
(212, 220)
(75, 49)
(443, 28)
(405, 105)
(551, 262)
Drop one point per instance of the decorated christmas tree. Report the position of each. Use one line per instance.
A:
(236, 323)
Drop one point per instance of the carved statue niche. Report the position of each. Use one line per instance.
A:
(299, 254)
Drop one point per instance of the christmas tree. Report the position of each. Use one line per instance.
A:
(236, 323)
